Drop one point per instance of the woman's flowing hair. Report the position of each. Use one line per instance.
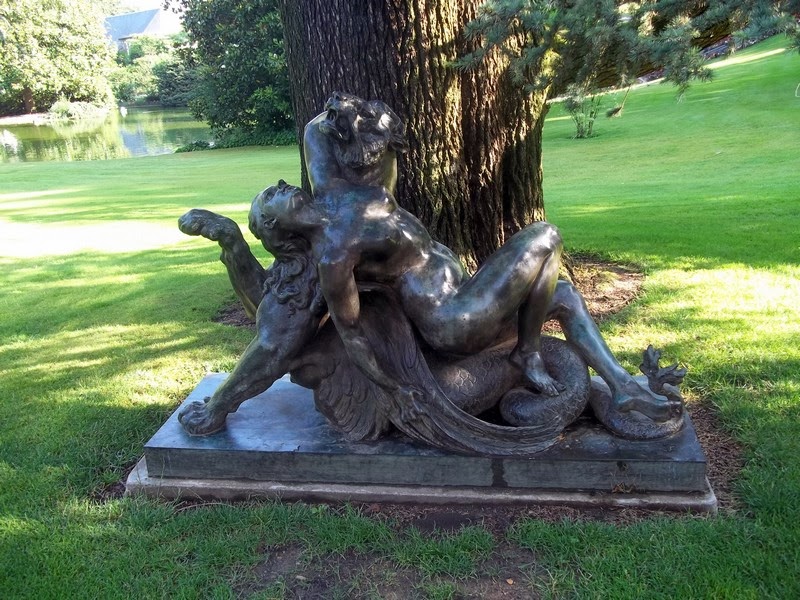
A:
(292, 278)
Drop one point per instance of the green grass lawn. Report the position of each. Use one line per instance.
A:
(105, 326)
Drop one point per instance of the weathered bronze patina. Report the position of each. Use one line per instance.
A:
(385, 325)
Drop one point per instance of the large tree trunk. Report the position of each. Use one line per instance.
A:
(27, 100)
(473, 171)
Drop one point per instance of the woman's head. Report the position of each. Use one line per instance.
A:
(278, 213)
(276, 218)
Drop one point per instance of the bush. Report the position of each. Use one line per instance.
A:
(195, 146)
(583, 109)
(135, 82)
(234, 138)
(175, 82)
(76, 111)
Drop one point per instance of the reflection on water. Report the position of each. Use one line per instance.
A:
(141, 132)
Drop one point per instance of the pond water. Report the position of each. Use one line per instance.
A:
(140, 132)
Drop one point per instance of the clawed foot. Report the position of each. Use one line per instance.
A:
(198, 419)
(212, 226)
(536, 373)
(633, 396)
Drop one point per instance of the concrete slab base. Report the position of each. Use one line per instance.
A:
(172, 488)
(278, 446)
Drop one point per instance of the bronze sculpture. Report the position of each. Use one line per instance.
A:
(386, 326)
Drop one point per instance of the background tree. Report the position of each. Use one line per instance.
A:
(242, 83)
(51, 49)
(471, 79)
(152, 69)
(473, 173)
(176, 82)
(134, 79)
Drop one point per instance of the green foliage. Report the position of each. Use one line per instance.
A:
(770, 17)
(595, 45)
(76, 111)
(136, 81)
(154, 70)
(176, 82)
(143, 45)
(242, 77)
(49, 49)
(583, 109)
(234, 138)
(195, 146)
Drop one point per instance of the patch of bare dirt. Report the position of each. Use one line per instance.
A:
(509, 573)
(297, 575)
(233, 314)
(723, 454)
(607, 287)
(495, 518)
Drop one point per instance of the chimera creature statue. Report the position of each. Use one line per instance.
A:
(386, 326)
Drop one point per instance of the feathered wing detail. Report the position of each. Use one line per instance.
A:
(342, 393)
(364, 411)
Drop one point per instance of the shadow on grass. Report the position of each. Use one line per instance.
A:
(92, 289)
(97, 350)
(99, 317)
(153, 203)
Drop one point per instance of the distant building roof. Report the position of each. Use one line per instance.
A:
(151, 22)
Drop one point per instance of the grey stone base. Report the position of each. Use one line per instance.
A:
(277, 446)
(139, 482)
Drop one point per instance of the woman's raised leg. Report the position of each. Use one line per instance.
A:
(581, 331)
(517, 280)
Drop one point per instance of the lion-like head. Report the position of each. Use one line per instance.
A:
(363, 131)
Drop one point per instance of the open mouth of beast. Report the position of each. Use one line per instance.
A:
(336, 124)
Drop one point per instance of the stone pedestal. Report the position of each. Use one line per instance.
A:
(278, 445)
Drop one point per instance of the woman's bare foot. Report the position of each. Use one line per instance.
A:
(536, 373)
(212, 226)
(632, 396)
(198, 419)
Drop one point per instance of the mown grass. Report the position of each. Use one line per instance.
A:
(105, 327)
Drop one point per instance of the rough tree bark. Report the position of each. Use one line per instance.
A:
(473, 172)
(27, 100)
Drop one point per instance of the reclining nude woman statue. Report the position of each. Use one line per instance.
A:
(364, 307)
